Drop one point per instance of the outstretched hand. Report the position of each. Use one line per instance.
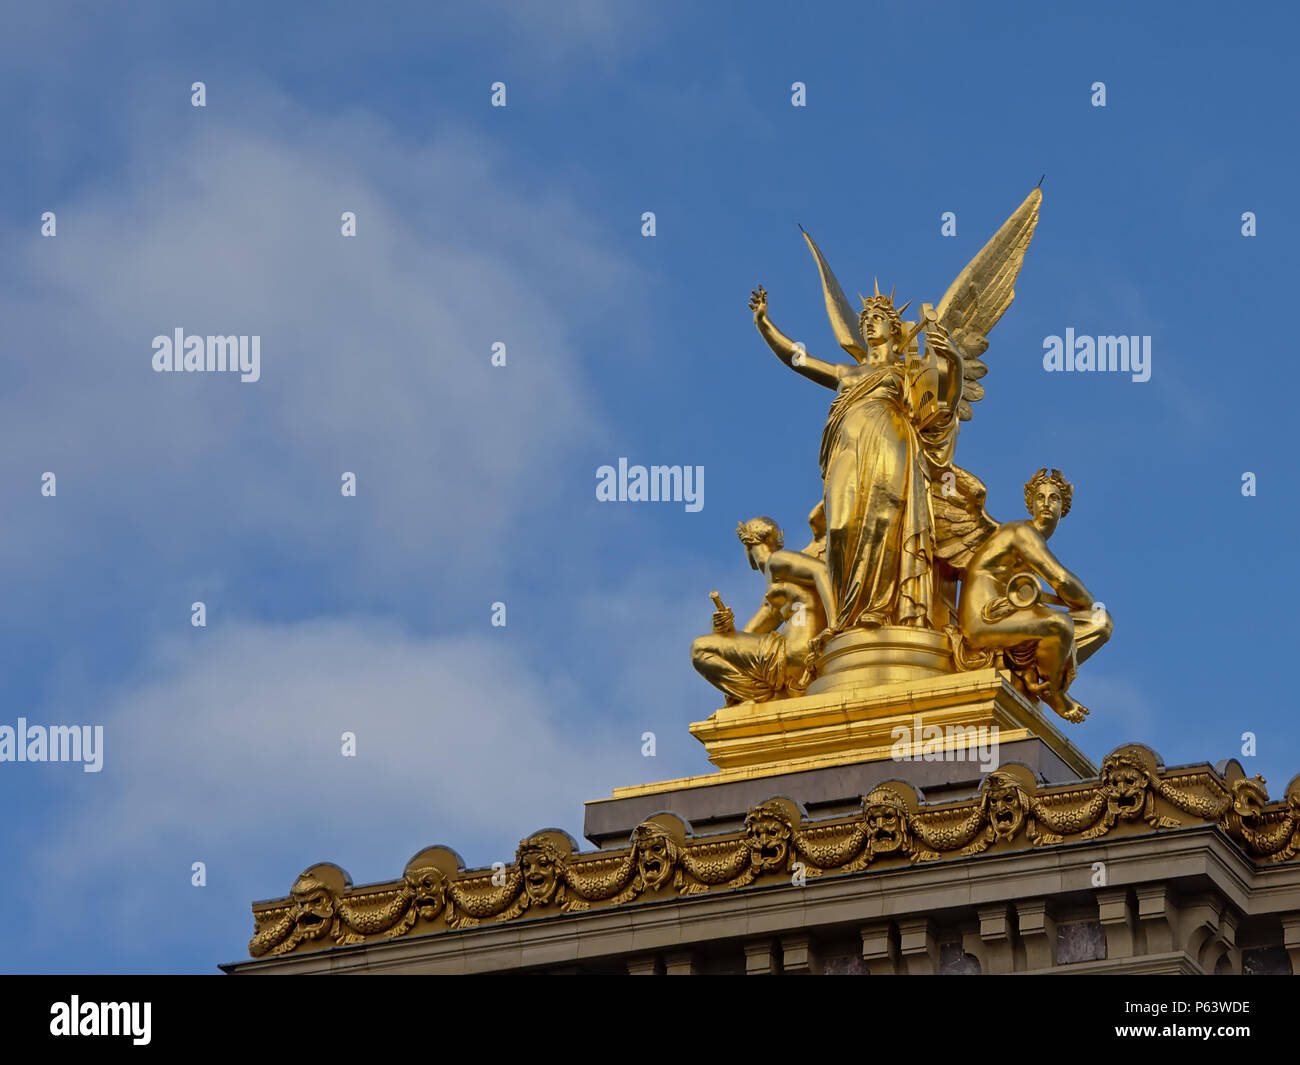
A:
(758, 302)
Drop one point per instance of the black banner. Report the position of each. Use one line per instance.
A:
(143, 1014)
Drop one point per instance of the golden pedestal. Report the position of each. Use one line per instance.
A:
(892, 722)
(873, 658)
(890, 693)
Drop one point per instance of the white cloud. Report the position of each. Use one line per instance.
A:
(223, 745)
(451, 734)
(375, 350)
(230, 751)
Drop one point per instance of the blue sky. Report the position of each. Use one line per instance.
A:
(476, 484)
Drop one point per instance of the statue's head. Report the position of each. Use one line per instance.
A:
(881, 326)
(886, 814)
(1126, 775)
(761, 536)
(314, 896)
(769, 827)
(1047, 498)
(542, 858)
(1006, 804)
(657, 848)
(428, 888)
(427, 875)
(312, 900)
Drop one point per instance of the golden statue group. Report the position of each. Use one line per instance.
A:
(912, 627)
(901, 539)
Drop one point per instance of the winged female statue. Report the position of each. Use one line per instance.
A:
(892, 428)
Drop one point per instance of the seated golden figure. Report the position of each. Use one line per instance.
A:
(1003, 608)
(765, 660)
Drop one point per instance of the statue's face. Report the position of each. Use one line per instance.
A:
(1047, 504)
(541, 876)
(884, 829)
(428, 886)
(1126, 788)
(315, 908)
(768, 842)
(757, 554)
(875, 328)
(1006, 815)
(654, 860)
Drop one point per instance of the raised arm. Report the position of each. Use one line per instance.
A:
(792, 354)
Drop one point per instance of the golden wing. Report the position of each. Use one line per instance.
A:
(961, 524)
(844, 323)
(983, 291)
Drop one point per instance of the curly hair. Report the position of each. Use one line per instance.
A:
(760, 531)
(543, 846)
(1055, 477)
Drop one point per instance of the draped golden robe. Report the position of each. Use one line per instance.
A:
(876, 468)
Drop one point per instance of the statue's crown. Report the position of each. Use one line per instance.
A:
(884, 303)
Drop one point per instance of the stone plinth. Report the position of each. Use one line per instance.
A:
(719, 802)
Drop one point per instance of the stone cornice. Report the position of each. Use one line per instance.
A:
(895, 833)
